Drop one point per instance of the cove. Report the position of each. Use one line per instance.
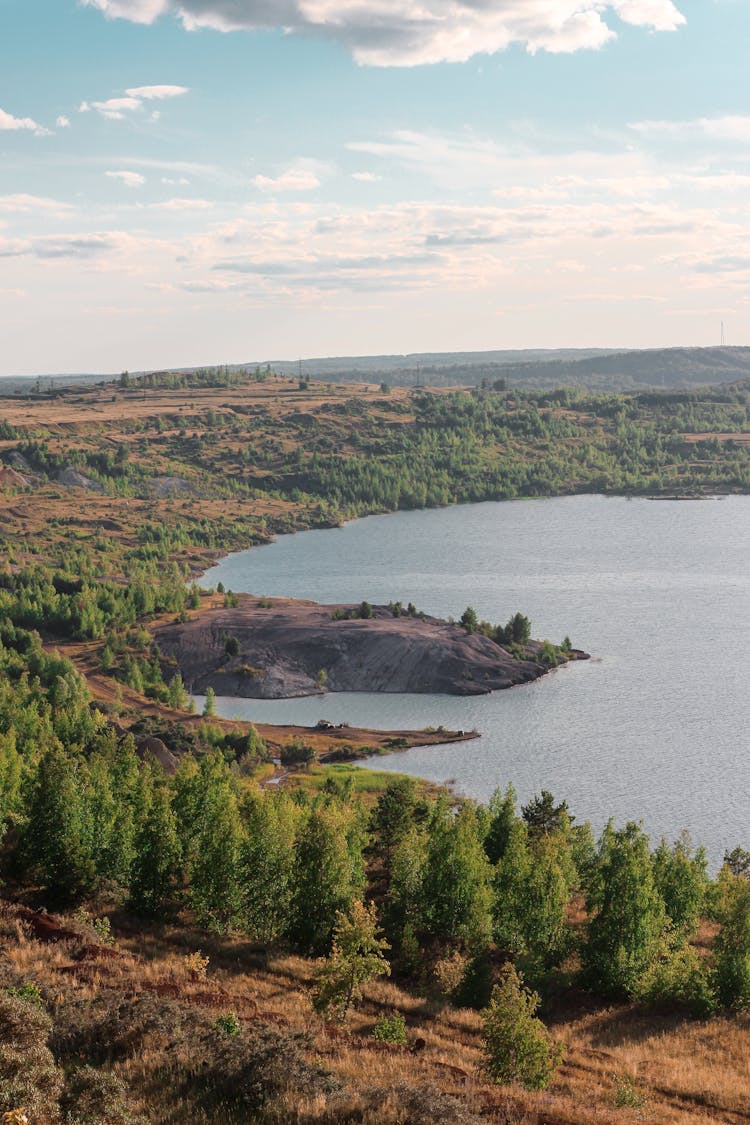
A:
(654, 728)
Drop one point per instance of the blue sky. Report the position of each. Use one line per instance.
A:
(185, 181)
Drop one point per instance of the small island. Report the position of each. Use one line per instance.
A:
(280, 649)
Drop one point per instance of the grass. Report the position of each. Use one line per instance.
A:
(143, 989)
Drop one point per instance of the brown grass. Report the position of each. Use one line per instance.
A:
(690, 1072)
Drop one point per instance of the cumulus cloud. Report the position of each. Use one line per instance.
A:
(130, 179)
(366, 177)
(414, 32)
(63, 122)
(9, 123)
(133, 99)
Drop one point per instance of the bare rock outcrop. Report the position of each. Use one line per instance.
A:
(299, 648)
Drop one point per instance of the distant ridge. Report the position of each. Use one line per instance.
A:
(528, 369)
(538, 369)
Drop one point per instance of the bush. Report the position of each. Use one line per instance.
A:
(29, 1078)
(229, 1024)
(627, 1094)
(517, 1045)
(390, 1029)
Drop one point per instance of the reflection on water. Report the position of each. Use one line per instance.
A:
(654, 728)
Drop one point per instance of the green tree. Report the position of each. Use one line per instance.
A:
(327, 877)
(267, 866)
(681, 877)
(502, 810)
(356, 957)
(469, 620)
(517, 1046)
(216, 891)
(456, 888)
(58, 841)
(732, 945)
(209, 707)
(627, 915)
(156, 865)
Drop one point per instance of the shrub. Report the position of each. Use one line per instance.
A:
(229, 1024)
(627, 1094)
(517, 1045)
(390, 1029)
(29, 1078)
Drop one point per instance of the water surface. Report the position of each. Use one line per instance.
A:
(654, 727)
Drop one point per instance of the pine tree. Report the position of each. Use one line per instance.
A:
(502, 810)
(209, 707)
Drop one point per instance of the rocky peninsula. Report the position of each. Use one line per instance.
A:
(279, 649)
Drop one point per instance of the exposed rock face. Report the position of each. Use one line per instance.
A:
(294, 648)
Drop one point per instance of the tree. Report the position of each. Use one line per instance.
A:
(58, 837)
(393, 817)
(517, 1046)
(209, 707)
(543, 816)
(177, 696)
(216, 895)
(456, 889)
(326, 877)
(356, 957)
(267, 866)
(682, 880)
(502, 810)
(738, 861)
(469, 620)
(627, 914)
(732, 946)
(157, 858)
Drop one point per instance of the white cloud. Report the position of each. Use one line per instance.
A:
(366, 177)
(184, 205)
(734, 129)
(32, 204)
(9, 123)
(148, 93)
(130, 179)
(304, 175)
(414, 32)
(63, 122)
(132, 101)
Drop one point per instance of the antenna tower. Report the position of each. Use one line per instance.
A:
(723, 337)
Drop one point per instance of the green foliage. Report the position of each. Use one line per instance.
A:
(628, 1095)
(327, 875)
(228, 1024)
(209, 707)
(732, 946)
(390, 1029)
(356, 957)
(627, 915)
(156, 865)
(469, 620)
(681, 878)
(456, 895)
(517, 1046)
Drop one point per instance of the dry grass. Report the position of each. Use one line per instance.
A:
(689, 1072)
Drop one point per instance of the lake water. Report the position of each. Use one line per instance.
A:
(656, 727)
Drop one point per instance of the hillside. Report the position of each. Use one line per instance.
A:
(613, 370)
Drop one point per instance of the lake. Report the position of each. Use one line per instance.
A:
(654, 728)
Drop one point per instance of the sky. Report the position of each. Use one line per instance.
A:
(220, 181)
